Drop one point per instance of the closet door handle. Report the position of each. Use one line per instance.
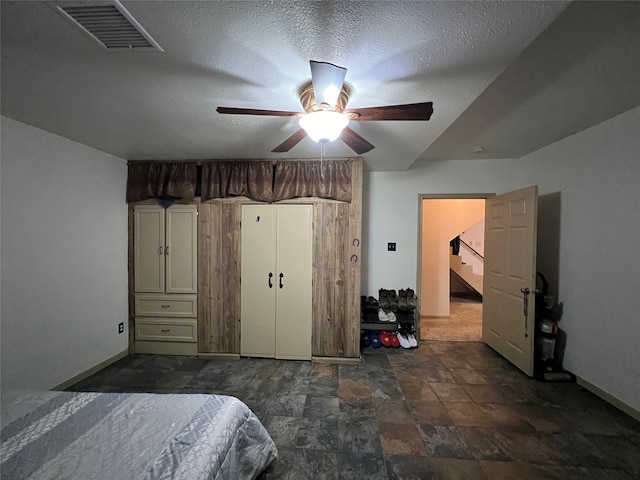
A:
(166, 250)
(270, 284)
(281, 276)
(160, 250)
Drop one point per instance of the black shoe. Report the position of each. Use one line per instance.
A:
(402, 299)
(371, 302)
(411, 299)
(393, 300)
(384, 298)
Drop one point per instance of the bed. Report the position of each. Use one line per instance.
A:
(84, 435)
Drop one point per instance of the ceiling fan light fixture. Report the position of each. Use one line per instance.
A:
(324, 126)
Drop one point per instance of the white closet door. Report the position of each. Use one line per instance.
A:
(181, 249)
(258, 289)
(293, 299)
(149, 258)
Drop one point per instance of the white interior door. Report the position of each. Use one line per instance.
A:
(510, 276)
(149, 253)
(258, 281)
(293, 299)
(181, 249)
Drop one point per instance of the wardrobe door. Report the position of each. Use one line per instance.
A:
(294, 288)
(181, 249)
(149, 249)
(258, 281)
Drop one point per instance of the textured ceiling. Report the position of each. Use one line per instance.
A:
(490, 68)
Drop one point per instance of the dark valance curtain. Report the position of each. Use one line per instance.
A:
(236, 178)
(167, 180)
(329, 179)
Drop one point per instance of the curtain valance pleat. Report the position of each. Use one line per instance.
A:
(167, 180)
(259, 180)
(329, 179)
(223, 179)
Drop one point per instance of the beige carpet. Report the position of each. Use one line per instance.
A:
(464, 324)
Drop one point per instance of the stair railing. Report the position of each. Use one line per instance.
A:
(473, 250)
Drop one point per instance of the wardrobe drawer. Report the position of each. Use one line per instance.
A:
(150, 305)
(166, 330)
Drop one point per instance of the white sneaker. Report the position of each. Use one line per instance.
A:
(404, 341)
(412, 340)
(382, 316)
(392, 317)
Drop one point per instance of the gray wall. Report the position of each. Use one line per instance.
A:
(64, 257)
(589, 224)
(590, 213)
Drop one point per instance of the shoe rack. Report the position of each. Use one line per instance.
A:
(400, 306)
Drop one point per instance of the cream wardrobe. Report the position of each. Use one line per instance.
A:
(165, 279)
(276, 281)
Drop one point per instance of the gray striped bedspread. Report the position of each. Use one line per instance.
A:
(72, 435)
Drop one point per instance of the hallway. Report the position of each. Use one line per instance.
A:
(463, 325)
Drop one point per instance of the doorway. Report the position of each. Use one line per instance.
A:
(451, 240)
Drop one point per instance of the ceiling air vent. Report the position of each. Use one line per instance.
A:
(111, 25)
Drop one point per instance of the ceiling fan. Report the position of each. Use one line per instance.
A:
(325, 118)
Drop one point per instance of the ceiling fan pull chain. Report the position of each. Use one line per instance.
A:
(322, 147)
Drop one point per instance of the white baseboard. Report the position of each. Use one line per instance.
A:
(91, 371)
(619, 404)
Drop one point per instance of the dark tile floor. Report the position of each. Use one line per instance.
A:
(441, 411)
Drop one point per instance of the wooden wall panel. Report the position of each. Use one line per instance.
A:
(336, 274)
(320, 300)
(328, 280)
(339, 285)
(204, 277)
(219, 278)
(230, 263)
(353, 264)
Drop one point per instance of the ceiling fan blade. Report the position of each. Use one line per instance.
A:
(409, 111)
(253, 111)
(327, 80)
(291, 142)
(354, 141)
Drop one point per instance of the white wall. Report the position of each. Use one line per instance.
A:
(390, 212)
(594, 178)
(474, 237)
(64, 257)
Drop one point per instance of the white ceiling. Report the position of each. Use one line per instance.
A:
(508, 76)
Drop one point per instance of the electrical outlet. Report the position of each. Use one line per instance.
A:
(391, 246)
(121, 327)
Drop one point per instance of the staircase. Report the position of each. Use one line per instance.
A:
(465, 273)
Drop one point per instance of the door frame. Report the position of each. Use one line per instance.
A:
(438, 196)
